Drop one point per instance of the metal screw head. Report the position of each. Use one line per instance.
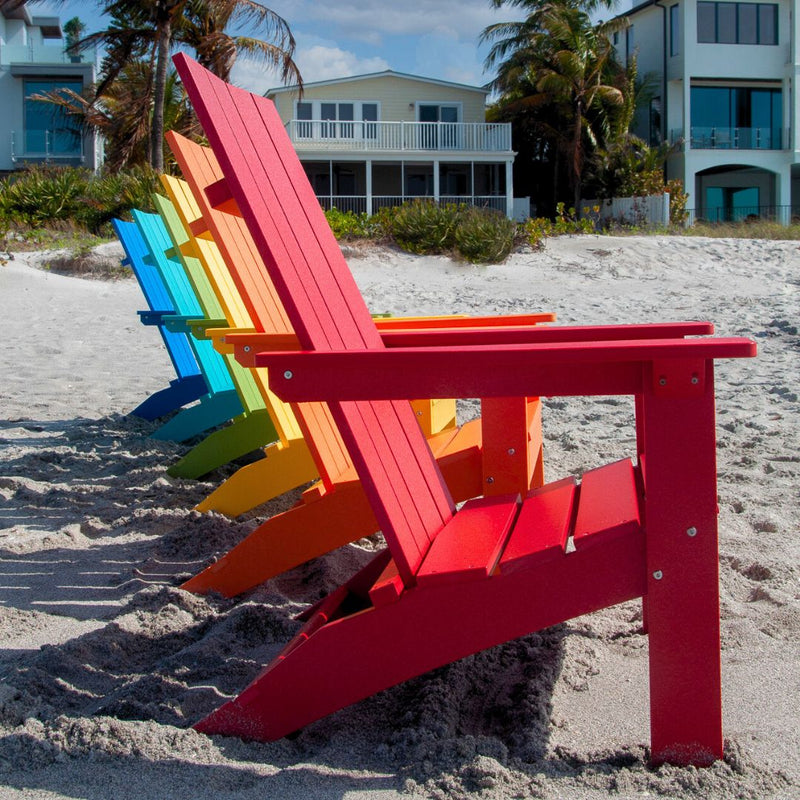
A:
(247, 348)
(288, 375)
(658, 574)
(695, 380)
(419, 413)
(691, 531)
(662, 381)
(490, 479)
(511, 451)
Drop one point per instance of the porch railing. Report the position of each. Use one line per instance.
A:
(358, 203)
(44, 54)
(492, 137)
(40, 149)
(723, 138)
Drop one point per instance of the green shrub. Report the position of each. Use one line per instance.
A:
(424, 227)
(536, 230)
(483, 236)
(347, 224)
(45, 195)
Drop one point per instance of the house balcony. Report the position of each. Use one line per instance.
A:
(43, 54)
(401, 137)
(47, 147)
(724, 138)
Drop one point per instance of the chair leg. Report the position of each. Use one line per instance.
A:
(212, 410)
(350, 649)
(245, 434)
(180, 392)
(283, 468)
(682, 601)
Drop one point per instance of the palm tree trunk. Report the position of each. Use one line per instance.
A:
(159, 90)
(577, 158)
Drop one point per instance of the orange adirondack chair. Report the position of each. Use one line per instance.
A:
(450, 583)
(492, 456)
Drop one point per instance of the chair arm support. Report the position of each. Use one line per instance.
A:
(674, 366)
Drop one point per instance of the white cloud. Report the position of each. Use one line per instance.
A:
(321, 62)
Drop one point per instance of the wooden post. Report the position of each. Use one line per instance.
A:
(682, 562)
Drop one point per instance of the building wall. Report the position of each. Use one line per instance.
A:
(396, 97)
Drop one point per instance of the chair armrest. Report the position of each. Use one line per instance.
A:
(179, 323)
(246, 346)
(671, 366)
(460, 321)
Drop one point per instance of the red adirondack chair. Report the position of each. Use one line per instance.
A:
(450, 583)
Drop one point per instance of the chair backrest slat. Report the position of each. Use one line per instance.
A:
(326, 309)
(252, 281)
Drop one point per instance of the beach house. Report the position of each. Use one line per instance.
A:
(726, 96)
(377, 140)
(33, 60)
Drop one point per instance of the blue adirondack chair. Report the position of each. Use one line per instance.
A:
(188, 384)
(219, 402)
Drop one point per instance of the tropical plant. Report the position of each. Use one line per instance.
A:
(558, 80)
(146, 31)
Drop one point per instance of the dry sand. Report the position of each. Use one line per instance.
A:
(104, 663)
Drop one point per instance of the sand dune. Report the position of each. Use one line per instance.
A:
(104, 663)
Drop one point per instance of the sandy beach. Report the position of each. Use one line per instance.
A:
(105, 663)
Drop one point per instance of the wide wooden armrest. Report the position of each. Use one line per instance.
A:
(203, 328)
(525, 334)
(153, 316)
(672, 367)
(247, 346)
(179, 323)
(460, 321)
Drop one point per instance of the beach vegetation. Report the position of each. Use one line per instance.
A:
(563, 91)
(484, 236)
(46, 196)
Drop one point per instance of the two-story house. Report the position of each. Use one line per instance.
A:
(727, 96)
(32, 61)
(378, 140)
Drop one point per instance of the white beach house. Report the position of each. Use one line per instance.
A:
(32, 60)
(377, 140)
(727, 93)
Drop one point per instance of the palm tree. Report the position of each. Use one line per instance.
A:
(149, 29)
(557, 66)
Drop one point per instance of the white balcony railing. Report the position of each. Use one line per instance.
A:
(43, 54)
(46, 147)
(492, 137)
(725, 138)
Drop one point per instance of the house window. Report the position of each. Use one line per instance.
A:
(47, 128)
(629, 45)
(737, 23)
(674, 30)
(736, 118)
(655, 121)
(314, 119)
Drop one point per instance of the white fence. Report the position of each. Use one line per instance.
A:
(650, 210)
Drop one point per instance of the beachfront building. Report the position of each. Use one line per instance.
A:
(727, 97)
(378, 140)
(32, 61)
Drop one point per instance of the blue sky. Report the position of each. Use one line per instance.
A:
(336, 38)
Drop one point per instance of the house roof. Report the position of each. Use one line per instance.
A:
(636, 8)
(385, 74)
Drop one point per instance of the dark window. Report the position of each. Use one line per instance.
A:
(726, 23)
(737, 23)
(674, 30)
(736, 118)
(706, 22)
(48, 129)
(748, 23)
(768, 24)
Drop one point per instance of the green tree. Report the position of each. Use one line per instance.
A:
(558, 79)
(148, 30)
